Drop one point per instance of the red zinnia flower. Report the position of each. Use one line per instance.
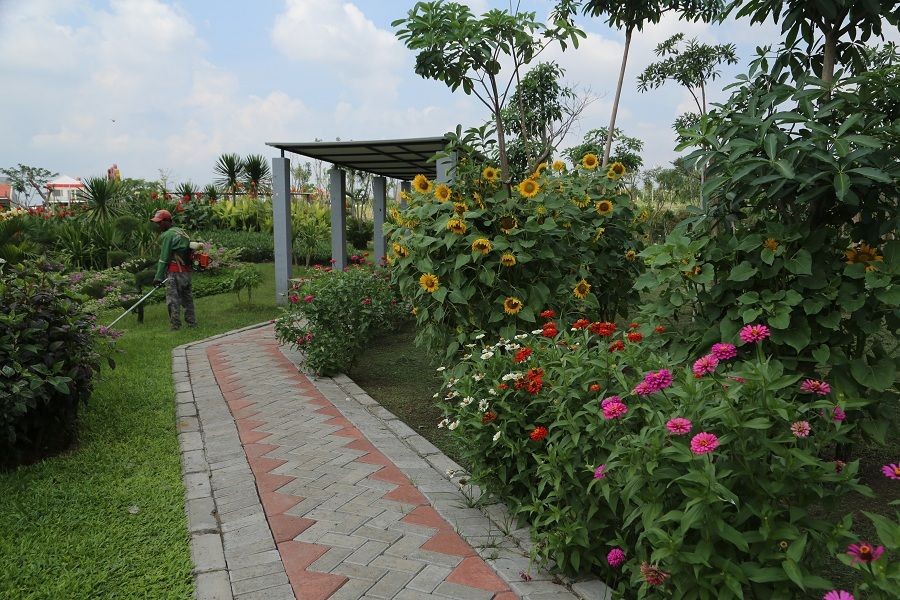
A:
(653, 575)
(634, 325)
(635, 336)
(604, 329)
(502, 386)
(550, 330)
(659, 329)
(488, 417)
(522, 355)
(538, 433)
(548, 314)
(617, 346)
(595, 387)
(580, 324)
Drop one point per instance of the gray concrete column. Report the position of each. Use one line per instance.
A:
(446, 169)
(405, 186)
(281, 209)
(379, 206)
(338, 191)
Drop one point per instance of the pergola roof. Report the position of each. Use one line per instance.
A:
(398, 159)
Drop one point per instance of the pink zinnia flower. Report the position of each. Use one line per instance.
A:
(723, 351)
(614, 410)
(891, 471)
(679, 426)
(653, 574)
(838, 414)
(754, 333)
(838, 595)
(308, 298)
(839, 466)
(705, 365)
(704, 443)
(801, 429)
(864, 552)
(600, 472)
(813, 386)
(660, 379)
(643, 389)
(609, 400)
(294, 299)
(615, 558)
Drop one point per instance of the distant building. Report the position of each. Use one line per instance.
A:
(7, 195)
(64, 190)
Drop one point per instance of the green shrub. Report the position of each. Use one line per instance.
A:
(482, 257)
(50, 352)
(116, 258)
(334, 313)
(576, 431)
(245, 277)
(359, 232)
(255, 246)
(212, 284)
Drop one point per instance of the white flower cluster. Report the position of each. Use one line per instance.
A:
(511, 376)
(486, 355)
(483, 405)
(466, 401)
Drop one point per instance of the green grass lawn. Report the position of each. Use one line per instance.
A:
(65, 526)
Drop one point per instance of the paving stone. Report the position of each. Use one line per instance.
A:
(201, 515)
(429, 578)
(281, 592)
(212, 586)
(256, 571)
(194, 461)
(207, 553)
(389, 585)
(462, 592)
(262, 582)
(593, 589)
(190, 440)
(197, 486)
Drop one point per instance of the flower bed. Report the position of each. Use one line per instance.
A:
(705, 478)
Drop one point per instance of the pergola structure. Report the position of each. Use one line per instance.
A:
(397, 159)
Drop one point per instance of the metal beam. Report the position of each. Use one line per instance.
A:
(338, 194)
(379, 207)
(281, 214)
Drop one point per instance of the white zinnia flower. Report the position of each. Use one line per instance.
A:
(439, 369)
(478, 376)
(466, 401)
(443, 424)
(480, 336)
(453, 425)
(497, 435)
(492, 392)
(537, 331)
(486, 355)
(521, 336)
(483, 405)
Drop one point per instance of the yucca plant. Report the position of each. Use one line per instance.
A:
(212, 193)
(256, 172)
(103, 197)
(230, 168)
(186, 190)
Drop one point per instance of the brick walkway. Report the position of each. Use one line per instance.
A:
(287, 497)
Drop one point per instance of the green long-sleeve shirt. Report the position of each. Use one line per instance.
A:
(173, 242)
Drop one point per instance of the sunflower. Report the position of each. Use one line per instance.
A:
(429, 282)
(457, 226)
(558, 165)
(616, 170)
(582, 289)
(508, 259)
(590, 161)
(529, 188)
(630, 255)
(508, 223)
(422, 184)
(512, 305)
(863, 254)
(540, 210)
(395, 216)
(582, 202)
(490, 174)
(772, 244)
(460, 208)
(604, 207)
(482, 245)
(442, 192)
(478, 200)
(599, 234)
(400, 250)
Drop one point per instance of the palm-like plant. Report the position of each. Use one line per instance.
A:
(230, 168)
(186, 190)
(256, 172)
(103, 197)
(212, 193)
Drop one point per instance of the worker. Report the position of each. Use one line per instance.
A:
(175, 262)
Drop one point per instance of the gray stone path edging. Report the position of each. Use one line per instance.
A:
(507, 548)
(213, 457)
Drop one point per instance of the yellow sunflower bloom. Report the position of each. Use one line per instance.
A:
(395, 216)
(599, 234)
(630, 256)
(582, 289)
(490, 174)
(604, 207)
(508, 259)
(541, 210)
(528, 188)
(512, 305)
(404, 196)
(400, 250)
(590, 161)
(772, 244)
(482, 245)
(457, 226)
(616, 170)
(478, 200)
(460, 208)
(422, 184)
(429, 282)
(442, 192)
(508, 223)
(558, 165)
(863, 254)
(582, 202)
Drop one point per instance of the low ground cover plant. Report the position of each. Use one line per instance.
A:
(51, 350)
(332, 314)
(699, 478)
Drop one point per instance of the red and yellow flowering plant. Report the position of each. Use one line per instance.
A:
(704, 475)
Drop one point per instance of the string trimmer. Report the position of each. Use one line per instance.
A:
(136, 304)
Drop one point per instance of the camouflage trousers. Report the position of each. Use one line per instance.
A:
(178, 296)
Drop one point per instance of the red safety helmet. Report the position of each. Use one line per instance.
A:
(162, 215)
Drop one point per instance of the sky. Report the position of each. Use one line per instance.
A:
(167, 86)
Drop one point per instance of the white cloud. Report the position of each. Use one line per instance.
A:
(339, 37)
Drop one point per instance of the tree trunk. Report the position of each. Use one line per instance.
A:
(615, 108)
(501, 134)
(828, 55)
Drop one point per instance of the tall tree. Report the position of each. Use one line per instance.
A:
(229, 168)
(833, 31)
(465, 51)
(28, 180)
(631, 15)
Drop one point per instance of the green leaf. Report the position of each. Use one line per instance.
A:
(888, 530)
(822, 354)
(878, 377)
(742, 272)
(462, 259)
(841, 185)
(792, 570)
(797, 336)
(757, 423)
(889, 295)
(795, 552)
(440, 294)
(785, 168)
(874, 174)
(800, 263)
(733, 535)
